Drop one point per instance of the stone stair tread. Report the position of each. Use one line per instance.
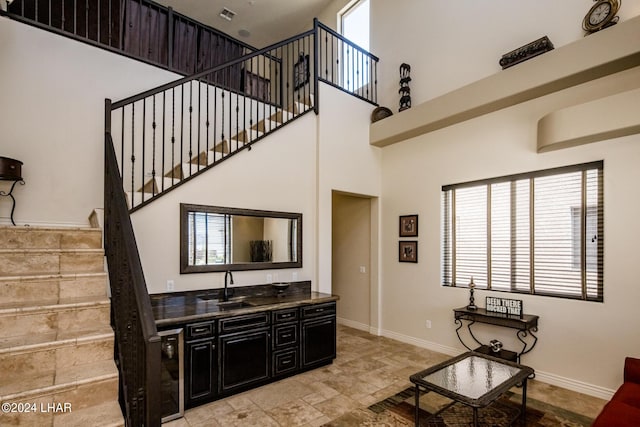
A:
(46, 382)
(54, 304)
(36, 393)
(107, 414)
(52, 276)
(52, 339)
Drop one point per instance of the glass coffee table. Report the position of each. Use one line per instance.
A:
(473, 379)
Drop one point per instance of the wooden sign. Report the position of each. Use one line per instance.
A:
(512, 307)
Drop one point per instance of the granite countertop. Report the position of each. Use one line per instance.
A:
(183, 307)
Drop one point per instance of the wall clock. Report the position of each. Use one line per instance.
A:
(601, 15)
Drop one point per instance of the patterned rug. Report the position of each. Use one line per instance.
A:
(399, 410)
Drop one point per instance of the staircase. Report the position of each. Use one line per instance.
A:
(56, 342)
(223, 148)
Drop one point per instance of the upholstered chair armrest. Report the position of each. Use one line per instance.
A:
(632, 370)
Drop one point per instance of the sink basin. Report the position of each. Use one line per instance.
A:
(232, 304)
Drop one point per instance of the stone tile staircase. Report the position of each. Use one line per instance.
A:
(56, 342)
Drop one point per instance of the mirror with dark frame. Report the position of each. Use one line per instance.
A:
(214, 238)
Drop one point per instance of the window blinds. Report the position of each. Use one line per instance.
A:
(539, 232)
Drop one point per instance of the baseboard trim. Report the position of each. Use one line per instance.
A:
(545, 377)
(429, 345)
(353, 324)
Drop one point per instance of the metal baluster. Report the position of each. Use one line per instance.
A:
(222, 154)
(133, 157)
(50, 12)
(199, 120)
(144, 145)
(181, 131)
(140, 53)
(164, 127)
(153, 151)
(173, 134)
(75, 19)
(122, 147)
(207, 128)
(215, 118)
(190, 124)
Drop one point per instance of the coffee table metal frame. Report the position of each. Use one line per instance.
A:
(520, 378)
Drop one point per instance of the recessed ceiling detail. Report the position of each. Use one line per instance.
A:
(227, 14)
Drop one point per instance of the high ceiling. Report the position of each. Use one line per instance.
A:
(267, 21)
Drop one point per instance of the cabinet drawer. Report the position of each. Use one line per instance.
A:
(288, 315)
(285, 361)
(201, 330)
(285, 335)
(319, 310)
(241, 323)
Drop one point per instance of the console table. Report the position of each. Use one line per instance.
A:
(525, 325)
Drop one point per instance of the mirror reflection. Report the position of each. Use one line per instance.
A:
(218, 239)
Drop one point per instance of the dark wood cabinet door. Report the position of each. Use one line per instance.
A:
(200, 372)
(245, 359)
(318, 341)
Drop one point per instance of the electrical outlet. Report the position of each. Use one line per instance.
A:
(171, 286)
(363, 269)
(269, 278)
(294, 276)
(428, 324)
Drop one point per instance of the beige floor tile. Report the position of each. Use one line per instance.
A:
(367, 370)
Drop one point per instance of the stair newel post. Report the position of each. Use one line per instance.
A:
(316, 50)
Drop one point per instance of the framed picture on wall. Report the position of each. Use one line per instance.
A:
(301, 71)
(409, 226)
(408, 251)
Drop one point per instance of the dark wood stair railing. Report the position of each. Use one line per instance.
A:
(137, 344)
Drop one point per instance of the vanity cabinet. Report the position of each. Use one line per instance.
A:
(286, 327)
(318, 334)
(245, 351)
(201, 363)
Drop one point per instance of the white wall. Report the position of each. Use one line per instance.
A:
(278, 174)
(448, 46)
(52, 119)
(452, 44)
(346, 163)
(574, 336)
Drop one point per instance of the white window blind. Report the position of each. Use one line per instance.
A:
(539, 233)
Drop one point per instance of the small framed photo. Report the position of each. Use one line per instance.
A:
(408, 251)
(301, 71)
(409, 226)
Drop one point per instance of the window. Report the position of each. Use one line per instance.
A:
(539, 233)
(354, 24)
(208, 237)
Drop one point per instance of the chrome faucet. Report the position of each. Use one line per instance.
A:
(227, 275)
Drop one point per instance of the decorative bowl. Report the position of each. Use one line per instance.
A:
(280, 286)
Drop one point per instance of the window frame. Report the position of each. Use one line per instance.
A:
(591, 288)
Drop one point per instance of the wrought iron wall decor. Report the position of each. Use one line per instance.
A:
(11, 170)
(525, 52)
(405, 90)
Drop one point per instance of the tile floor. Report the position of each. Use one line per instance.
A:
(368, 369)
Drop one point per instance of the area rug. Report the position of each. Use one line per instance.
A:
(399, 410)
